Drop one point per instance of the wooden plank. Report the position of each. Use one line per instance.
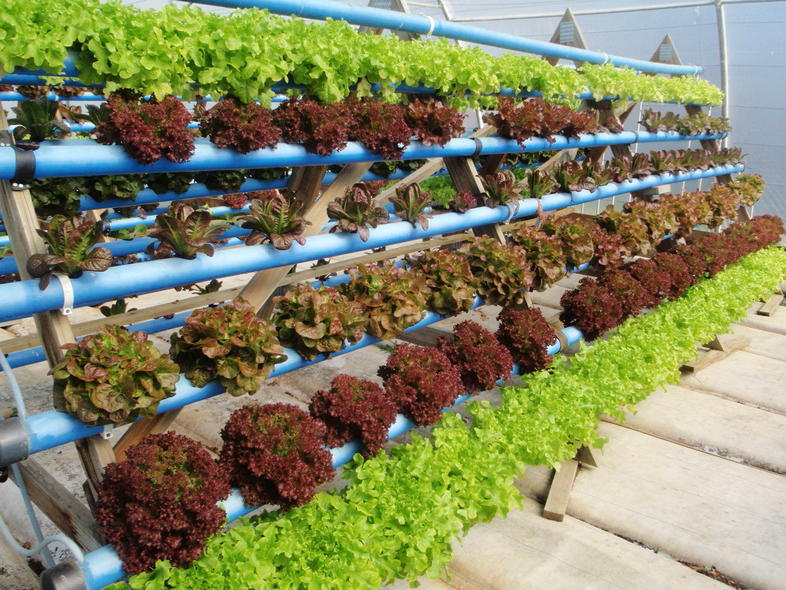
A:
(719, 348)
(63, 509)
(425, 171)
(305, 183)
(559, 492)
(771, 305)
(426, 336)
(139, 430)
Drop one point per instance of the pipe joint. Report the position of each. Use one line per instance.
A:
(14, 441)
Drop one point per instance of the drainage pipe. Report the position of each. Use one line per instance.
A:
(424, 25)
(62, 158)
(24, 298)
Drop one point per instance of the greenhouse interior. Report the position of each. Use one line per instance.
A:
(384, 294)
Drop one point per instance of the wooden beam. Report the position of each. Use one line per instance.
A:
(559, 492)
(771, 305)
(139, 430)
(263, 285)
(305, 183)
(61, 507)
(427, 170)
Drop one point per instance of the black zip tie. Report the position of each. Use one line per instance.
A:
(25, 169)
(478, 147)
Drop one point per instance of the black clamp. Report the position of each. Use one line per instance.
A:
(25, 168)
(478, 147)
(25, 160)
(3, 474)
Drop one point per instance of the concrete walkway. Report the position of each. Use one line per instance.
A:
(695, 475)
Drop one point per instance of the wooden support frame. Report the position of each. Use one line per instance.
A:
(55, 330)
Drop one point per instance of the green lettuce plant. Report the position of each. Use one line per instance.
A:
(187, 231)
(71, 243)
(503, 272)
(277, 220)
(318, 321)
(229, 343)
(394, 299)
(113, 377)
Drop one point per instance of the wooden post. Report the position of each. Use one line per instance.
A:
(53, 328)
(259, 290)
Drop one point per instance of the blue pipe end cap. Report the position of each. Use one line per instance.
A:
(14, 441)
(66, 575)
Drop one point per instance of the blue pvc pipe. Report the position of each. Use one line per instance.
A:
(387, 19)
(24, 298)
(60, 158)
(103, 566)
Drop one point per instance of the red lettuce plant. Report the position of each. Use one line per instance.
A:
(379, 125)
(527, 335)
(354, 408)
(229, 343)
(241, 127)
(629, 227)
(632, 167)
(159, 503)
(658, 218)
(500, 188)
(277, 220)
(693, 259)
(655, 280)
(592, 308)
(502, 272)
(535, 117)
(434, 122)
(749, 188)
(321, 128)
(113, 377)
(236, 200)
(680, 276)
(608, 249)
(394, 299)
(462, 202)
(421, 381)
(715, 251)
(544, 253)
(318, 321)
(187, 231)
(450, 280)
(147, 130)
(627, 289)
(576, 234)
(356, 212)
(688, 210)
(274, 454)
(410, 202)
(723, 202)
(478, 355)
(71, 244)
(572, 177)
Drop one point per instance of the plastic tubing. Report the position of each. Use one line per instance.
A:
(103, 566)
(24, 298)
(387, 19)
(61, 158)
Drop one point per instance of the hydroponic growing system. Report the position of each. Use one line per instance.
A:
(265, 66)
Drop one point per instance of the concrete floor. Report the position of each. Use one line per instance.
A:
(696, 475)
